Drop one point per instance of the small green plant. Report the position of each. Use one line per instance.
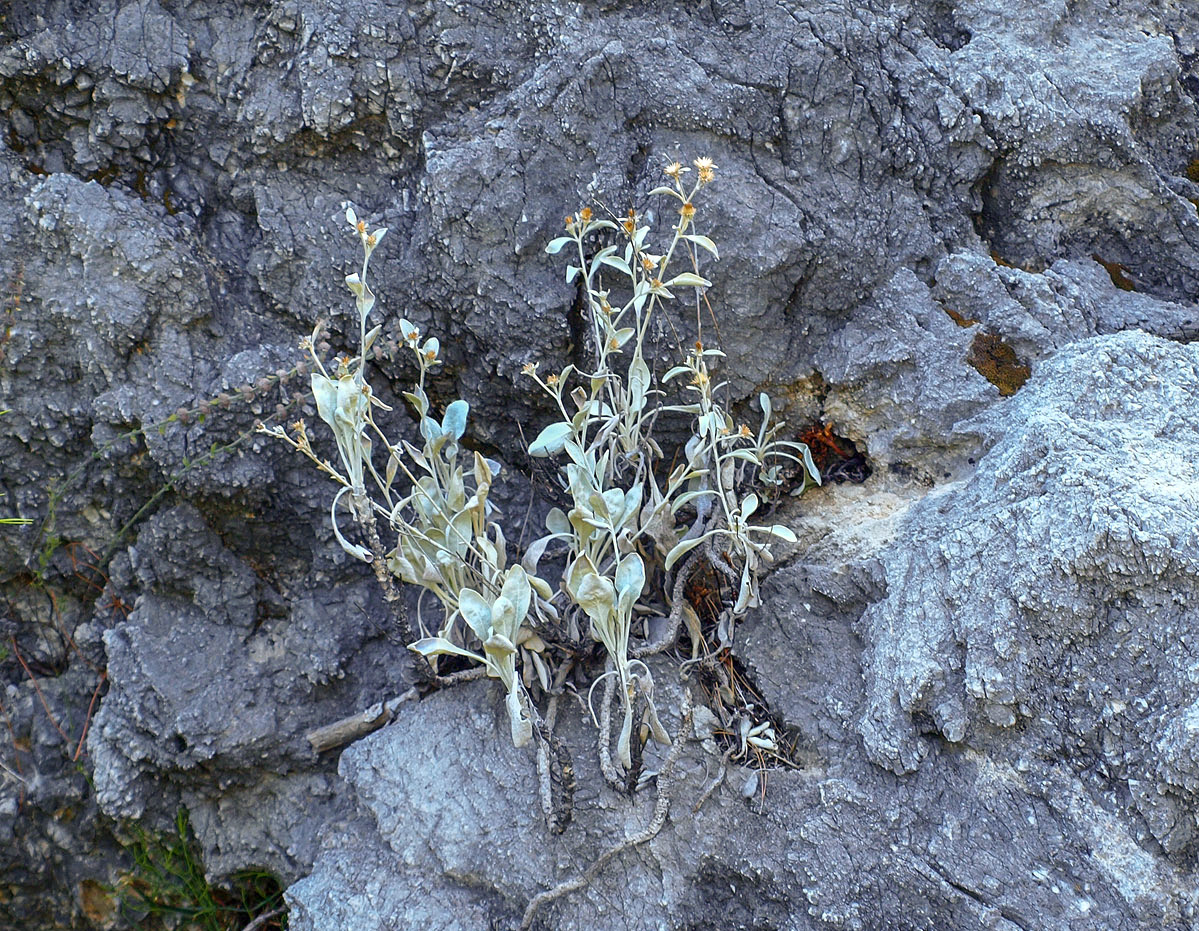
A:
(167, 888)
(631, 520)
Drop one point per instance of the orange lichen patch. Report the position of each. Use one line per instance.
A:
(1033, 265)
(824, 445)
(997, 362)
(1118, 273)
(959, 319)
(97, 903)
(836, 457)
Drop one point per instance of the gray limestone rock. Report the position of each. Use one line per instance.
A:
(942, 228)
(202, 682)
(450, 837)
(1070, 549)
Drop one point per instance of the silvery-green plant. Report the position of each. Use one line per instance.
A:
(447, 541)
(630, 521)
(620, 511)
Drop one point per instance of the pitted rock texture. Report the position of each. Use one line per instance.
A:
(201, 683)
(1055, 588)
(936, 223)
(449, 837)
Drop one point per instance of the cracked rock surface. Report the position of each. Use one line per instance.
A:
(964, 235)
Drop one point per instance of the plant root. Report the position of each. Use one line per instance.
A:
(657, 820)
(674, 619)
(607, 767)
(555, 772)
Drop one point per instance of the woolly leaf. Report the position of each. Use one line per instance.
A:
(682, 549)
(704, 243)
(689, 279)
(438, 646)
(454, 421)
(476, 612)
(551, 440)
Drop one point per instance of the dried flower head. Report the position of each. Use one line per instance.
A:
(529, 368)
(629, 223)
(706, 168)
(585, 214)
(687, 212)
(675, 170)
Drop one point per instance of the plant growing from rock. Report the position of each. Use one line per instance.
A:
(630, 523)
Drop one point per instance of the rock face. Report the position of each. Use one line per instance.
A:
(963, 234)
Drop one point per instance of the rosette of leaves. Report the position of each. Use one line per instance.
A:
(718, 455)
